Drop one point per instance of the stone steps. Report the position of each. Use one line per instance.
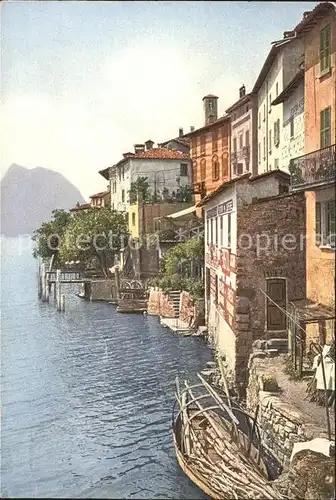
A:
(174, 296)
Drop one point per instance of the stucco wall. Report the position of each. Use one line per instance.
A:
(320, 92)
(293, 147)
(320, 264)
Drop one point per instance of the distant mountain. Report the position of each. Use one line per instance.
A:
(28, 197)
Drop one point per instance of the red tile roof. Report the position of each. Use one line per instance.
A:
(99, 195)
(85, 206)
(160, 154)
(311, 17)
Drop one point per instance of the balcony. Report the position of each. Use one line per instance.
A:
(313, 169)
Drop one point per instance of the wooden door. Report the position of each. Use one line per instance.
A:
(276, 291)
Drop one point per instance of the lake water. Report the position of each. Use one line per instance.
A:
(87, 394)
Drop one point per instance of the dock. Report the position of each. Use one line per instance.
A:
(178, 326)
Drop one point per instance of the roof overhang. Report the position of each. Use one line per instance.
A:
(243, 100)
(182, 213)
(197, 131)
(314, 17)
(105, 173)
(287, 91)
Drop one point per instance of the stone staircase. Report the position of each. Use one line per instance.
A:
(174, 296)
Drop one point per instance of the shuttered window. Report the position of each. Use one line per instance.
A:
(318, 223)
(325, 223)
(229, 230)
(203, 170)
(330, 223)
(225, 166)
(325, 43)
(325, 132)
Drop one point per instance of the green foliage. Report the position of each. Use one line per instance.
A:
(184, 193)
(94, 234)
(178, 266)
(48, 238)
(139, 191)
(290, 370)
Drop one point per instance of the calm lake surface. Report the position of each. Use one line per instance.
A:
(87, 394)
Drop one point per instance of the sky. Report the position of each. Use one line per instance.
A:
(82, 82)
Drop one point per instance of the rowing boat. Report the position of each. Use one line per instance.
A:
(217, 445)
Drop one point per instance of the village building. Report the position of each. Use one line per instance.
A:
(247, 260)
(165, 170)
(314, 171)
(279, 69)
(102, 199)
(80, 208)
(241, 134)
(209, 150)
(178, 143)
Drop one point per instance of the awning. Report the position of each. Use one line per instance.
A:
(181, 213)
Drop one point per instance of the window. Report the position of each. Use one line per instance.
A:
(229, 230)
(123, 195)
(215, 140)
(203, 170)
(211, 231)
(215, 169)
(325, 135)
(325, 45)
(264, 148)
(224, 136)
(193, 146)
(203, 144)
(184, 170)
(276, 304)
(225, 166)
(216, 231)
(291, 127)
(276, 89)
(241, 142)
(239, 168)
(270, 103)
(247, 138)
(264, 115)
(133, 219)
(208, 231)
(270, 140)
(276, 163)
(259, 152)
(194, 171)
(259, 119)
(325, 223)
(235, 144)
(276, 133)
(221, 230)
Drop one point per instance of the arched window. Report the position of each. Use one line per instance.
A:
(215, 168)
(194, 171)
(203, 169)
(225, 166)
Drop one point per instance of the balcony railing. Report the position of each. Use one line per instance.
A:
(313, 169)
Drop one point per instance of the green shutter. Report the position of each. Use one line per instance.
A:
(318, 239)
(331, 223)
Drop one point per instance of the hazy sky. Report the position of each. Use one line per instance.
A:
(81, 82)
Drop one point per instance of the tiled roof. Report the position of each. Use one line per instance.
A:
(85, 206)
(238, 103)
(219, 121)
(210, 96)
(290, 88)
(99, 195)
(310, 18)
(221, 188)
(161, 154)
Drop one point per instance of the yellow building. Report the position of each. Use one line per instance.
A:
(133, 220)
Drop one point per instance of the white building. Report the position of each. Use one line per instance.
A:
(241, 134)
(165, 170)
(293, 130)
(281, 65)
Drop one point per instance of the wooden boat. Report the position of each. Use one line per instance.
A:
(216, 449)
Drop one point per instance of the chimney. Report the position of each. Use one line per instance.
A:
(180, 132)
(210, 108)
(149, 144)
(139, 148)
(289, 34)
(192, 128)
(242, 91)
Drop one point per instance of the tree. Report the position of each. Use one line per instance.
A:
(139, 190)
(48, 238)
(184, 193)
(99, 233)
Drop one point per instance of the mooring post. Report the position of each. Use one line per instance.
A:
(43, 282)
(117, 281)
(46, 287)
(58, 290)
(62, 302)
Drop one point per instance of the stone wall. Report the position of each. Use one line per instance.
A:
(281, 423)
(270, 220)
(159, 304)
(191, 309)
